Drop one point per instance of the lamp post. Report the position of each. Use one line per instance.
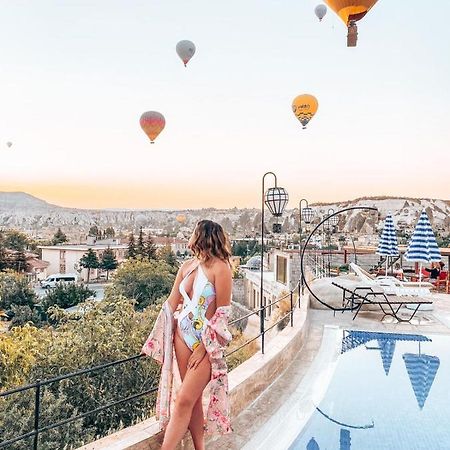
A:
(275, 199)
(306, 214)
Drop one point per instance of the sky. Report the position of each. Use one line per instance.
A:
(75, 76)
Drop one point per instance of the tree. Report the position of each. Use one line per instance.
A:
(131, 247)
(107, 331)
(66, 295)
(167, 255)
(143, 281)
(3, 259)
(59, 237)
(94, 231)
(140, 248)
(89, 261)
(108, 262)
(15, 240)
(150, 249)
(15, 290)
(110, 233)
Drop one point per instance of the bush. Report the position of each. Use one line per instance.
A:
(67, 295)
(15, 290)
(108, 331)
(143, 281)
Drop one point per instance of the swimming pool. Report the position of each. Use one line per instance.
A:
(385, 391)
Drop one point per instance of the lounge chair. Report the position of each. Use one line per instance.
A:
(390, 305)
(392, 285)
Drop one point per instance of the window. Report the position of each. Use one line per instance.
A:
(62, 254)
(281, 269)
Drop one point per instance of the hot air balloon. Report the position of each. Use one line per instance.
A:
(9, 144)
(185, 50)
(181, 218)
(304, 107)
(350, 11)
(320, 11)
(152, 122)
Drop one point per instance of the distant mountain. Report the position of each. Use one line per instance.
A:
(23, 211)
(20, 200)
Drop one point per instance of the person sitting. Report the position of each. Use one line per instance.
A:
(434, 270)
(398, 271)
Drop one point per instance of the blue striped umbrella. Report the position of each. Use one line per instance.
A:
(388, 245)
(422, 370)
(423, 247)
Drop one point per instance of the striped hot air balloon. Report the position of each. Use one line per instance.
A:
(152, 122)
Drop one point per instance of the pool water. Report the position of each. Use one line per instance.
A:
(387, 392)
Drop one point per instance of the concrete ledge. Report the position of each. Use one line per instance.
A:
(246, 383)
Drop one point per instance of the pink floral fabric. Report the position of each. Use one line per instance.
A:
(215, 338)
(159, 345)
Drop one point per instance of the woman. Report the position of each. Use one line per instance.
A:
(434, 271)
(198, 336)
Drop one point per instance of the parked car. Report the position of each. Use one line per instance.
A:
(52, 280)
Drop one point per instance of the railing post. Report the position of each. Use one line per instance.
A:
(292, 308)
(37, 407)
(262, 329)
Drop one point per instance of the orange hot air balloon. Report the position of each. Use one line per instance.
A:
(350, 11)
(152, 122)
(304, 107)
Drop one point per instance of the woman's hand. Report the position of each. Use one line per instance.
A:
(196, 358)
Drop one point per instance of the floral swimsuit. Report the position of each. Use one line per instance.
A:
(192, 319)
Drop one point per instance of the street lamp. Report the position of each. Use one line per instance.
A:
(275, 199)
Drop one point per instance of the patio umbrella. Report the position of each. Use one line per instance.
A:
(422, 370)
(423, 247)
(388, 245)
(353, 339)
(387, 349)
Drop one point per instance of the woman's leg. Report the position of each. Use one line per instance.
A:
(188, 398)
(197, 422)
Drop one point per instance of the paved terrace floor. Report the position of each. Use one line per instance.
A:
(249, 421)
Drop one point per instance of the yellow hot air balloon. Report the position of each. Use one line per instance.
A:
(181, 218)
(304, 107)
(350, 11)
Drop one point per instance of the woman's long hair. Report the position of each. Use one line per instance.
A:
(209, 240)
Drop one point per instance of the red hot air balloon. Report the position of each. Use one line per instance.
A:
(152, 122)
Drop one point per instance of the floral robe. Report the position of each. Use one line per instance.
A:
(159, 345)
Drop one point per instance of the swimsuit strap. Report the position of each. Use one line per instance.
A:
(191, 303)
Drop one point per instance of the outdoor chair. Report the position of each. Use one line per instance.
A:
(392, 285)
(390, 305)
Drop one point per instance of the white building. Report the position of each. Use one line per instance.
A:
(280, 276)
(66, 258)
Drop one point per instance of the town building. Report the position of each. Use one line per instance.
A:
(65, 258)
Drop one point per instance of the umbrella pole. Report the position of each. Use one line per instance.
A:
(420, 274)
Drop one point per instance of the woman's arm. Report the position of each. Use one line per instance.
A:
(223, 284)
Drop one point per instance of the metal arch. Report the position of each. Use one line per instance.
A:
(365, 208)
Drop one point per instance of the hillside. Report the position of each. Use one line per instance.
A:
(23, 211)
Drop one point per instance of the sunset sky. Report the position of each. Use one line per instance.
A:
(75, 77)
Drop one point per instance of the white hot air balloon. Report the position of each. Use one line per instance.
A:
(185, 50)
(320, 11)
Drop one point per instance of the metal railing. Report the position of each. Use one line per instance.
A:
(38, 392)
(38, 385)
